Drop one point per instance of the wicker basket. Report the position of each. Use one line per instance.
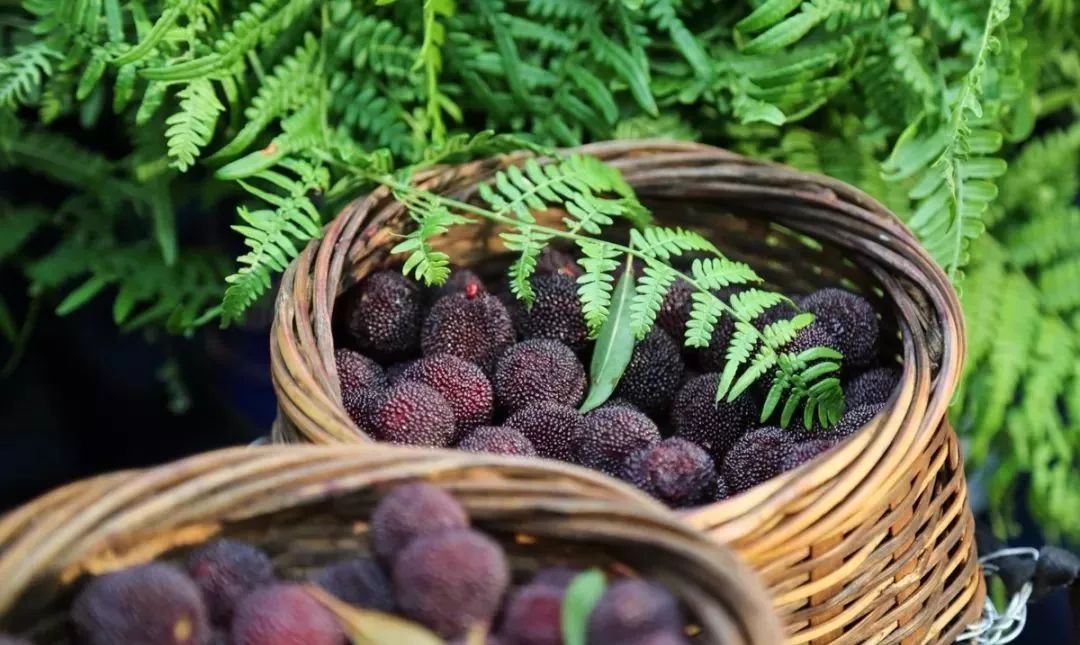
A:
(872, 541)
(307, 506)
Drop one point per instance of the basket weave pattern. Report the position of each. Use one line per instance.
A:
(871, 542)
(308, 506)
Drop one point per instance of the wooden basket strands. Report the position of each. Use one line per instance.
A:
(874, 540)
(308, 506)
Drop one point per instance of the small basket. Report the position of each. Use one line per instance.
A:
(309, 506)
(873, 540)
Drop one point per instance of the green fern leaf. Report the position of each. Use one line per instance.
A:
(649, 297)
(596, 282)
(23, 73)
(273, 234)
(193, 125)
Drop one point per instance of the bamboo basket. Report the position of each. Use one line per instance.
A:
(308, 506)
(871, 542)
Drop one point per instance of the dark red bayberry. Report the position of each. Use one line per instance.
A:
(451, 581)
(285, 614)
(150, 604)
(225, 572)
(501, 440)
(675, 471)
(462, 384)
(408, 413)
(536, 371)
(612, 434)
(408, 512)
(472, 325)
(554, 430)
(382, 315)
(360, 582)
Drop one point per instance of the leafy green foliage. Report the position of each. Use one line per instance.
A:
(593, 195)
(1022, 300)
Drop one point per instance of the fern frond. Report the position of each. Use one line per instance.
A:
(369, 115)
(528, 242)
(193, 125)
(705, 311)
(286, 88)
(259, 21)
(562, 9)
(649, 295)
(24, 71)
(1058, 284)
(430, 60)
(377, 44)
(273, 234)
(574, 184)
(664, 243)
(596, 282)
(1039, 240)
(626, 64)
(718, 273)
(432, 220)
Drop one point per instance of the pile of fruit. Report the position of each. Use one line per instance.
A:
(464, 366)
(427, 566)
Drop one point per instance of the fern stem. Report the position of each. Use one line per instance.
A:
(500, 218)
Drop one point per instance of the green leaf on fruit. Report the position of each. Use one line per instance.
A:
(581, 596)
(614, 344)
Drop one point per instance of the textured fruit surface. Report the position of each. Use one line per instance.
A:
(555, 312)
(613, 433)
(461, 383)
(872, 386)
(360, 582)
(852, 421)
(538, 370)
(630, 609)
(382, 315)
(654, 373)
(675, 310)
(151, 604)
(476, 328)
(718, 490)
(408, 512)
(408, 413)
(461, 280)
(804, 451)
(226, 571)
(554, 430)
(675, 471)
(715, 426)
(451, 581)
(357, 372)
(533, 616)
(759, 455)
(849, 319)
(501, 440)
(285, 614)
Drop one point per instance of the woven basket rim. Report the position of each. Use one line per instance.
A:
(118, 519)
